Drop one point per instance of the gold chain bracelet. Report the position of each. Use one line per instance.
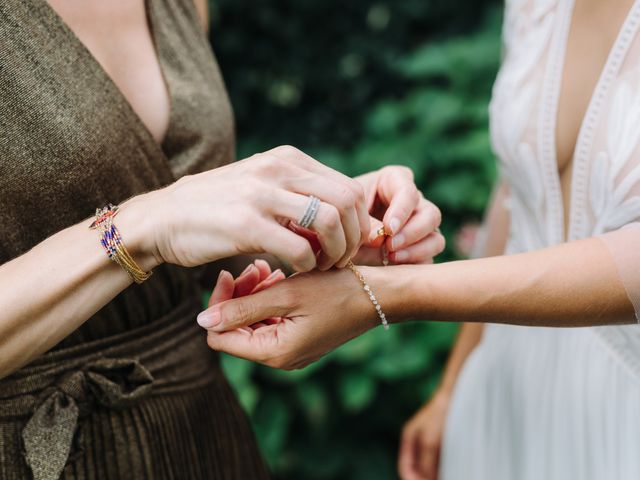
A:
(372, 297)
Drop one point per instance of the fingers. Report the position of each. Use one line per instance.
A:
(333, 238)
(344, 201)
(286, 245)
(428, 458)
(246, 281)
(263, 267)
(270, 281)
(239, 343)
(310, 235)
(402, 196)
(421, 252)
(223, 290)
(244, 311)
(338, 233)
(408, 453)
(419, 454)
(350, 187)
(423, 222)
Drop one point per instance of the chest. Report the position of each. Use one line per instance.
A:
(594, 26)
(118, 34)
(70, 139)
(565, 116)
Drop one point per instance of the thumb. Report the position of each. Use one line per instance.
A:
(241, 312)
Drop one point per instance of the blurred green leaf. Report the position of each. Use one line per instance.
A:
(356, 390)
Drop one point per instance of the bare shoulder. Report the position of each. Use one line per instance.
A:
(202, 6)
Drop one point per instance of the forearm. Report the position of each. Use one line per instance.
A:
(492, 242)
(51, 290)
(569, 285)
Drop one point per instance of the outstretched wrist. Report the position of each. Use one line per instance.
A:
(138, 231)
(392, 289)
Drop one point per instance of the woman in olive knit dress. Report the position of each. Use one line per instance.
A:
(112, 102)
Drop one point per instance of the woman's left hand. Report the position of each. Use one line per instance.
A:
(395, 202)
(306, 318)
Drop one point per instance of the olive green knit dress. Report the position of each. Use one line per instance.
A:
(134, 393)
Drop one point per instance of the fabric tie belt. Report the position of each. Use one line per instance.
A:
(56, 391)
(48, 435)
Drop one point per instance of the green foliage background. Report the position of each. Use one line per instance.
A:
(360, 85)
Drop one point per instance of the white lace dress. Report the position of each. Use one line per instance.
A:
(558, 403)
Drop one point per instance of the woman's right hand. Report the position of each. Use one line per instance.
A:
(421, 441)
(246, 207)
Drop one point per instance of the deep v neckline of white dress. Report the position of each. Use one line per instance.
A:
(547, 123)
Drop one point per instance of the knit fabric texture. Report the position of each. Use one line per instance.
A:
(107, 402)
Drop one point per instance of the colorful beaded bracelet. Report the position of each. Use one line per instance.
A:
(112, 242)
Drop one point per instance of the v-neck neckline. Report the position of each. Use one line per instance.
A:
(157, 146)
(582, 149)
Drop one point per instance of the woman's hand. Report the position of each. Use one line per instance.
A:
(310, 315)
(255, 278)
(246, 207)
(393, 200)
(422, 440)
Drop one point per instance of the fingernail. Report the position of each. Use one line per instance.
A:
(209, 318)
(394, 225)
(401, 256)
(397, 242)
(221, 274)
(246, 270)
(274, 274)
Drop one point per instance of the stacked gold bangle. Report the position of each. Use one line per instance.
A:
(111, 240)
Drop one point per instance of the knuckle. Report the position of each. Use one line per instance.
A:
(243, 313)
(243, 221)
(400, 170)
(269, 165)
(347, 199)
(287, 296)
(405, 171)
(330, 217)
(287, 151)
(301, 255)
(436, 214)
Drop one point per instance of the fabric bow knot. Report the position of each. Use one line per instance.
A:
(48, 435)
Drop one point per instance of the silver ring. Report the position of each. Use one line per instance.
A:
(310, 213)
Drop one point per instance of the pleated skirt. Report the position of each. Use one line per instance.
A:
(153, 404)
(543, 403)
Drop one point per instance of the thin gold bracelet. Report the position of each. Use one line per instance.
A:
(372, 297)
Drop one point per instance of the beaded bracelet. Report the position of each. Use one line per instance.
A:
(111, 240)
(372, 297)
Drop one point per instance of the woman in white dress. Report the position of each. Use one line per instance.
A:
(524, 397)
